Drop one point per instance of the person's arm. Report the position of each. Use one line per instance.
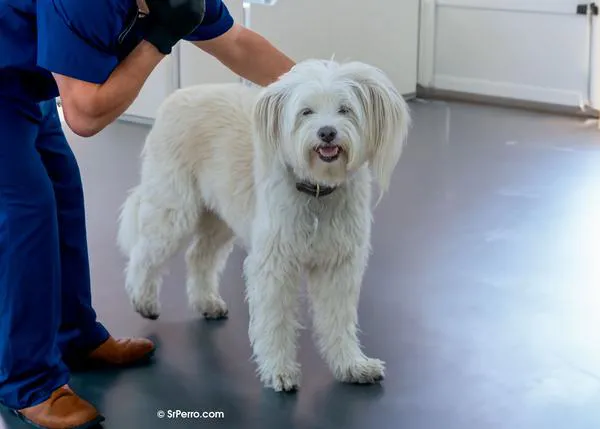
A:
(89, 107)
(248, 54)
(77, 45)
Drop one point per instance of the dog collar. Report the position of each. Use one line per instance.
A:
(314, 190)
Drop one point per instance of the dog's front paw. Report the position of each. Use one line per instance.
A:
(283, 381)
(362, 371)
(143, 301)
(212, 307)
(147, 308)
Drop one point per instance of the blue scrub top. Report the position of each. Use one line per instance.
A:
(83, 39)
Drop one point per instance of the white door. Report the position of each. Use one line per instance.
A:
(533, 50)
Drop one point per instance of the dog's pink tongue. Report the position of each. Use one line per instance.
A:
(329, 151)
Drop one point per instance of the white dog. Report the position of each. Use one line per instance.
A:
(287, 171)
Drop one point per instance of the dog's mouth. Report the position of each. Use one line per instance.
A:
(328, 153)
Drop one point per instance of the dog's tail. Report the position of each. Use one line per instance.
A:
(128, 221)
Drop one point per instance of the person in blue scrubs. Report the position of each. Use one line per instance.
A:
(96, 55)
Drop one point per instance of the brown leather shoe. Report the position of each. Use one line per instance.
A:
(62, 410)
(122, 352)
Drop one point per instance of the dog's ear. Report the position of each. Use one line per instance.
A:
(387, 118)
(267, 118)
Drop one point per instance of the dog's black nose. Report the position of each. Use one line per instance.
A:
(327, 134)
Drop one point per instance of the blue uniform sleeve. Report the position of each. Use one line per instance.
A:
(74, 38)
(217, 21)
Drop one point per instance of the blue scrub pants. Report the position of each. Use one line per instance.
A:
(46, 314)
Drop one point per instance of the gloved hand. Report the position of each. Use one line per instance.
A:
(172, 20)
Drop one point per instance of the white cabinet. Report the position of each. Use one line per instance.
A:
(197, 67)
(162, 82)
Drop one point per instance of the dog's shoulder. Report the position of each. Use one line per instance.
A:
(207, 100)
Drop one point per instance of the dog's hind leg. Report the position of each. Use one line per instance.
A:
(206, 257)
(161, 231)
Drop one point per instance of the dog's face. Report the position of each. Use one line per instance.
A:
(325, 120)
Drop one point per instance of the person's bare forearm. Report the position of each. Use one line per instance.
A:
(251, 56)
(260, 61)
(89, 108)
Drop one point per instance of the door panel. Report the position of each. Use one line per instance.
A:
(528, 50)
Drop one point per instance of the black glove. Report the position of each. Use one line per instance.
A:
(172, 20)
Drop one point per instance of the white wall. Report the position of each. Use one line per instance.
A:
(534, 50)
(380, 32)
(383, 33)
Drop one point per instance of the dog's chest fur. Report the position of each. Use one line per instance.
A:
(321, 230)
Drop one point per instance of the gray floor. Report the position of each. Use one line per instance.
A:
(483, 293)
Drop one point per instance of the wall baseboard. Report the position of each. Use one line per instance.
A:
(551, 108)
(508, 90)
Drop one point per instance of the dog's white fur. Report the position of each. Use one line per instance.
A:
(222, 161)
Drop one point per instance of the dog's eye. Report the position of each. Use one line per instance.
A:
(344, 110)
(307, 111)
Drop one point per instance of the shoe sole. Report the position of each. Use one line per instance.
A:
(88, 425)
